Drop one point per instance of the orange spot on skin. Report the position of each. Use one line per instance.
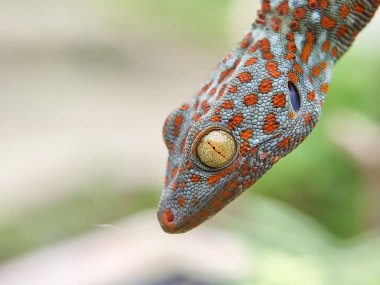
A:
(177, 125)
(195, 178)
(268, 56)
(205, 214)
(327, 23)
(221, 91)
(313, 4)
(283, 8)
(185, 107)
(212, 91)
(359, 9)
(271, 124)
(326, 46)
(246, 41)
(251, 61)
(265, 6)
(276, 24)
(250, 99)
(181, 201)
(223, 75)
(308, 118)
(253, 150)
(265, 86)
(324, 88)
(290, 37)
(245, 77)
(246, 134)
(292, 47)
(290, 56)
(216, 118)
(284, 143)
(265, 45)
(307, 47)
(244, 170)
(311, 96)
(342, 31)
(344, 11)
(298, 68)
(244, 147)
(299, 13)
(272, 68)
(233, 184)
(323, 64)
(279, 100)
(254, 47)
(260, 21)
(174, 172)
(293, 77)
(294, 25)
(205, 106)
(334, 52)
(291, 115)
(229, 104)
(236, 63)
(216, 204)
(235, 121)
(316, 70)
(197, 117)
(189, 166)
(323, 4)
(233, 89)
(275, 159)
(204, 89)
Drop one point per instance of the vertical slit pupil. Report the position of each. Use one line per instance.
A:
(294, 95)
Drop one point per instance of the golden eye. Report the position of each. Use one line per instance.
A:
(216, 149)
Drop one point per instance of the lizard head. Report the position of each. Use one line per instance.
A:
(257, 107)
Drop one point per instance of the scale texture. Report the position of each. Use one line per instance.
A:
(266, 94)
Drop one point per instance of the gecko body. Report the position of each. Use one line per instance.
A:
(257, 106)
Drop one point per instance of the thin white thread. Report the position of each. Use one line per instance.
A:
(124, 230)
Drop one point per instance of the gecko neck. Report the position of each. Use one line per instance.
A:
(329, 24)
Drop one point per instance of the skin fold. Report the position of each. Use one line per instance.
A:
(257, 106)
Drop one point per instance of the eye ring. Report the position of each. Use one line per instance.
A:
(294, 96)
(214, 149)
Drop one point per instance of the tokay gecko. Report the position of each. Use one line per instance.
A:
(257, 106)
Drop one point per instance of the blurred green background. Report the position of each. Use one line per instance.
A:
(85, 87)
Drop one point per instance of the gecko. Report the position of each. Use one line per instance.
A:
(260, 103)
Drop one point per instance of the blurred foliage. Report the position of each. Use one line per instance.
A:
(289, 248)
(200, 20)
(92, 204)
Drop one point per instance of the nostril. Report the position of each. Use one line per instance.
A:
(169, 216)
(166, 219)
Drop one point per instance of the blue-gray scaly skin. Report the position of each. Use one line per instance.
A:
(288, 55)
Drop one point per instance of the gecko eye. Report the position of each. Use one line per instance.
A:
(216, 149)
(294, 95)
